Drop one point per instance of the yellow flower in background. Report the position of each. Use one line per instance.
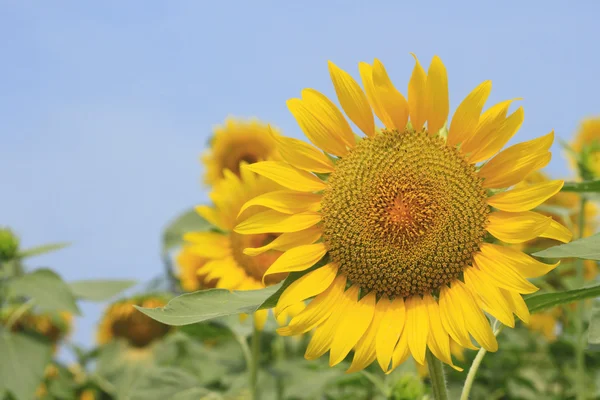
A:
(122, 321)
(546, 323)
(403, 215)
(235, 142)
(189, 263)
(587, 144)
(234, 261)
(52, 326)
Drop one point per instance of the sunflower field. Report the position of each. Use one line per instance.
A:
(392, 248)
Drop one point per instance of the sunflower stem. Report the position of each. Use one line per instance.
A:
(436, 374)
(580, 344)
(475, 366)
(255, 362)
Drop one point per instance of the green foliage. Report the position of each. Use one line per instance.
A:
(582, 187)
(204, 305)
(43, 249)
(587, 248)
(22, 363)
(9, 244)
(541, 302)
(46, 288)
(188, 221)
(99, 290)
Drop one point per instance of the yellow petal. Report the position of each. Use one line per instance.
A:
(557, 232)
(417, 96)
(316, 129)
(401, 351)
(286, 201)
(526, 198)
(352, 99)
(517, 227)
(274, 222)
(287, 176)
(208, 244)
(503, 275)
(355, 322)
(302, 155)
(476, 322)
(512, 165)
(417, 327)
(366, 74)
(287, 241)
(525, 264)
(297, 259)
(438, 340)
(309, 285)
(492, 300)
(324, 334)
(317, 311)
(466, 117)
(260, 318)
(392, 324)
(517, 304)
(437, 96)
(453, 320)
(392, 102)
(214, 217)
(365, 352)
(494, 133)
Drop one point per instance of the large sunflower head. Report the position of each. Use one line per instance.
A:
(407, 215)
(234, 261)
(122, 321)
(53, 326)
(235, 142)
(587, 145)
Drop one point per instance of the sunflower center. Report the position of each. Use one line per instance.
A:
(403, 213)
(255, 266)
(137, 328)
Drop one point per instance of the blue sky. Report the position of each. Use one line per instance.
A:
(106, 106)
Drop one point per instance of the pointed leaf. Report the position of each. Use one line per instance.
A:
(43, 249)
(582, 187)
(99, 290)
(587, 248)
(47, 289)
(541, 302)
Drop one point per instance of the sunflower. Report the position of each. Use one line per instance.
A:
(189, 263)
(406, 216)
(53, 326)
(587, 145)
(122, 321)
(234, 261)
(236, 142)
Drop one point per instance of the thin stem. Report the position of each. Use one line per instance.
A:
(254, 365)
(579, 328)
(436, 375)
(475, 366)
(378, 383)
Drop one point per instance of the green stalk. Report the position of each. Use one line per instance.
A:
(580, 344)
(254, 364)
(475, 366)
(436, 375)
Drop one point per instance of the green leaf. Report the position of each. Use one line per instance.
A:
(587, 248)
(99, 290)
(594, 329)
(167, 383)
(582, 187)
(189, 221)
(22, 364)
(541, 302)
(47, 289)
(39, 250)
(204, 305)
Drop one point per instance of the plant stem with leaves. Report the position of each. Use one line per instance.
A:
(580, 339)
